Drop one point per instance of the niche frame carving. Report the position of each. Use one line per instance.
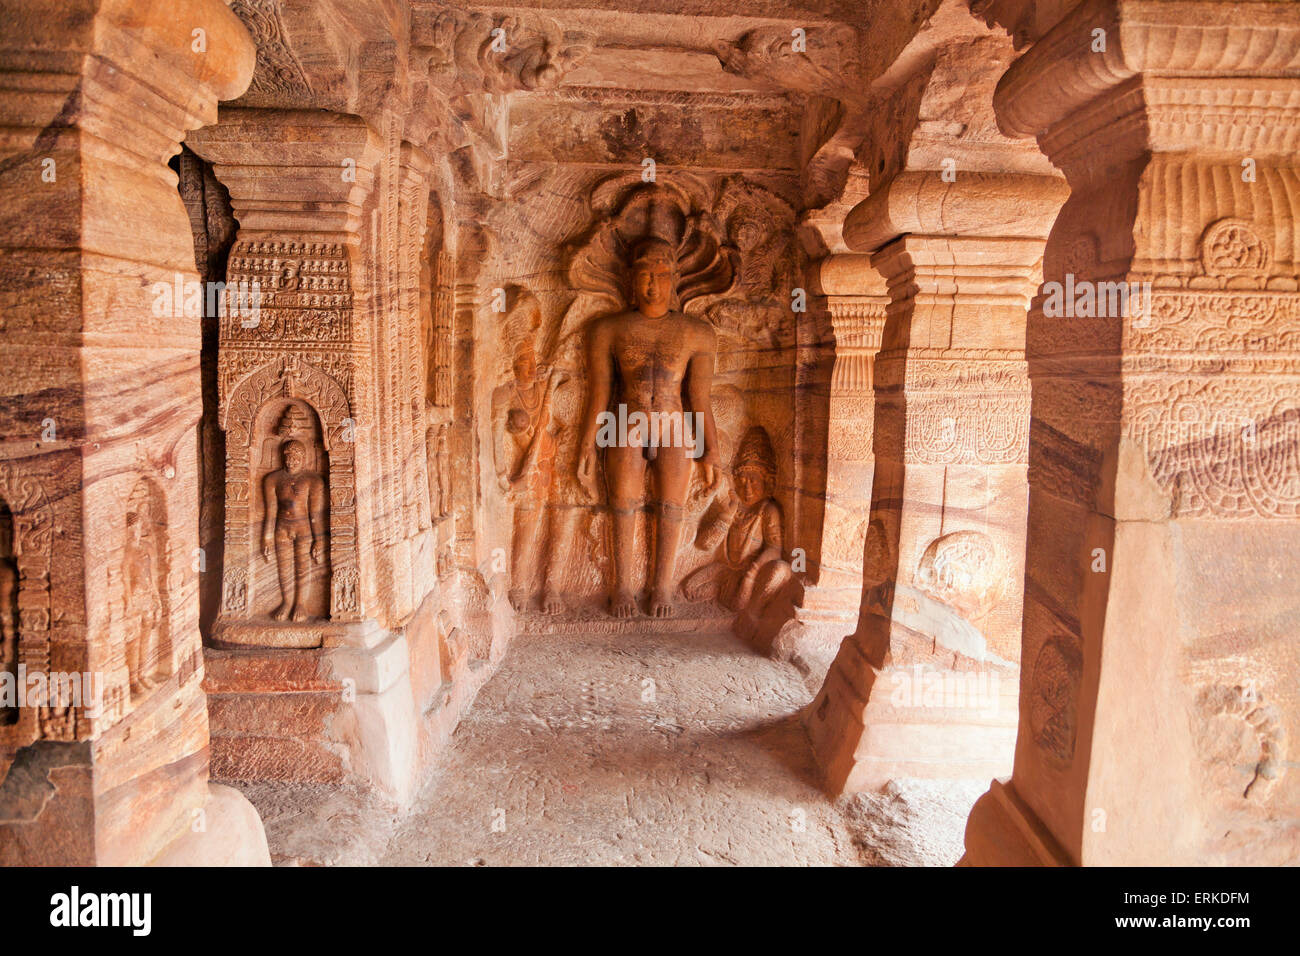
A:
(288, 377)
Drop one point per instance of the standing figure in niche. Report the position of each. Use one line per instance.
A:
(524, 448)
(749, 569)
(294, 526)
(8, 610)
(657, 357)
(143, 600)
(444, 470)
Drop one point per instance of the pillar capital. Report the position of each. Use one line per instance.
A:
(973, 205)
(293, 171)
(1138, 76)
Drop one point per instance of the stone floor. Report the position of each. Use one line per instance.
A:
(650, 749)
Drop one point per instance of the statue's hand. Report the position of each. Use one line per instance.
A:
(587, 472)
(267, 547)
(317, 552)
(503, 482)
(712, 475)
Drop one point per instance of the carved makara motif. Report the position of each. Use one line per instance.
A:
(820, 61)
(477, 52)
(533, 53)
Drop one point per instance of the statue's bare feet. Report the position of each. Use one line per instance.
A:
(281, 613)
(552, 605)
(518, 599)
(660, 605)
(622, 604)
(299, 614)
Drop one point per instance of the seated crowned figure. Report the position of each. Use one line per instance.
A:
(749, 568)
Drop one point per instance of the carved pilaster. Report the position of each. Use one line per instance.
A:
(1163, 469)
(294, 365)
(98, 471)
(855, 298)
(944, 543)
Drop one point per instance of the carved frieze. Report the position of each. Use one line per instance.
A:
(24, 493)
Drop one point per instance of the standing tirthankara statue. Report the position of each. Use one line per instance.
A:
(294, 527)
(524, 434)
(656, 356)
(750, 568)
(141, 594)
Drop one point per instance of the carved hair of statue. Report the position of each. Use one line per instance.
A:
(292, 445)
(653, 249)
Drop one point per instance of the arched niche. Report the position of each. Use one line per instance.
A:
(288, 398)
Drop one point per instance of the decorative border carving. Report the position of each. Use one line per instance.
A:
(290, 376)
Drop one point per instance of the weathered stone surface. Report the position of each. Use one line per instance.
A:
(98, 476)
(943, 350)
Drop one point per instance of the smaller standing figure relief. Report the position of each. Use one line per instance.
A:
(749, 569)
(8, 610)
(525, 442)
(438, 459)
(444, 470)
(294, 527)
(141, 596)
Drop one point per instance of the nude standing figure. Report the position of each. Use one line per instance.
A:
(293, 527)
(658, 361)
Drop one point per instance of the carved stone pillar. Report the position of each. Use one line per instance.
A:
(855, 298)
(1161, 677)
(331, 216)
(104, 757)
(296, 367)
(926, 686)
